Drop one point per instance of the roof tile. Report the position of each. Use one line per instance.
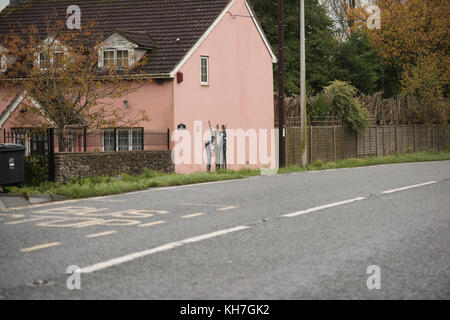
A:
(154, 23)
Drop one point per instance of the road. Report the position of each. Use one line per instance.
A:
(309, 235)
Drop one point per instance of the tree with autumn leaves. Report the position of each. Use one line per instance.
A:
(413, 41)
(57, 70)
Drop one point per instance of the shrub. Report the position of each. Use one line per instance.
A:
(318, 163)
(345, 105)
(320, 105)
(36, 170)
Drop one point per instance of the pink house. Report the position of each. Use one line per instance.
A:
(209, 61)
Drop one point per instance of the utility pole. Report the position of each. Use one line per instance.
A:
(303, 84)
(281, 127)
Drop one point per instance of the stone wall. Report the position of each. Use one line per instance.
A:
(75, 165)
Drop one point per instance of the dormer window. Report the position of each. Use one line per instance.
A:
(123, 49)
(115, 58)
(58, 56)
(43, 61)
(122, 58)
(2, 64)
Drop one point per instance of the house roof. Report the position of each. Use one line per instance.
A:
(142, 38)
(174, 27)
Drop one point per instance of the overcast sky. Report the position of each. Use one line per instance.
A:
(3, 3)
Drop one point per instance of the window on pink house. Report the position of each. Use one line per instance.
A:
(204, 70)
(122, 139)
(115, 58)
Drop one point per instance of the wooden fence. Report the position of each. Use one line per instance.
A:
(332, 143)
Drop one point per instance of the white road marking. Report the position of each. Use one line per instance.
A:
(220, 207)
(151, 224)
(42, 246)
(326, 206)
(226, 208)
(166, 247)
(193, 215)
(409, 187)
(107, 200)
(101, 234)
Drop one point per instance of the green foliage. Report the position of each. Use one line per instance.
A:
(101, 186)
(320, 105)
(320, 43)
(346, 106)
(36, 170)
(424, 82)
(358, 63)
(339, 100)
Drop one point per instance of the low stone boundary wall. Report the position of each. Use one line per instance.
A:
(90, 164)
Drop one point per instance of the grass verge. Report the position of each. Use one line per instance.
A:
(102, 186)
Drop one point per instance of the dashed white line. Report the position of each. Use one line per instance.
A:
(150, 224)
(409, 187)
(226, 208)
(42, 246)
(101, 234)
(326, 206)
(169, 246)
(193, 215)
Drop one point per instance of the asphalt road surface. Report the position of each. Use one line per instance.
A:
(311, 235)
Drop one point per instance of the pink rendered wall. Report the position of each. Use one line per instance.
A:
(240, 91)
(155, 99)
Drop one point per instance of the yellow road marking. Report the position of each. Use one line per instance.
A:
(12, 215)
(59, 222)
(193, 215)
(42, 246)
(96, 235)
(85, 211)
(151, 224)
(27, 220)
(226, 208)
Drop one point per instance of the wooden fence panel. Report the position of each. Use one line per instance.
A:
(345, 143)
(333, 143)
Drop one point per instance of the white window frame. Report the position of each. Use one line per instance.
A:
(203, 58)
(118, 132)
(58, 52)
(116, 60)
(103, 57)
(130, 132)
(50, 61)
(39, 61)
(103, 139)
(115, 50)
